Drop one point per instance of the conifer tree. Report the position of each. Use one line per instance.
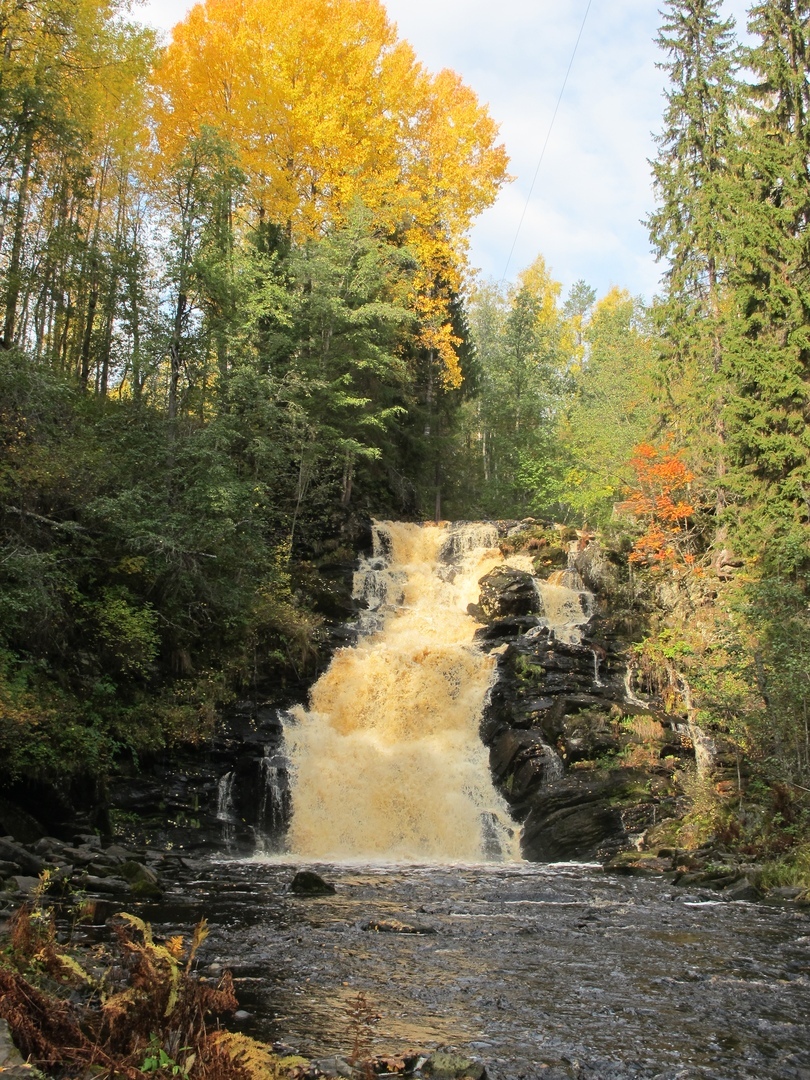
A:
(768, 361)
(691, 180)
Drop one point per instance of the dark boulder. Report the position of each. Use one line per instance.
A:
(506, 593)
(12, 852)
(308, 883)
(580, 817)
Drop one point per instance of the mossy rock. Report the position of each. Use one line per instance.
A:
(143, 882)
(146, 890)
(550, 558)
(453, 1067)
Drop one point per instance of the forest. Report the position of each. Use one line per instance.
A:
(238, 319)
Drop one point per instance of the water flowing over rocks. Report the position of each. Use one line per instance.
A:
(386, 762)
(530, 970)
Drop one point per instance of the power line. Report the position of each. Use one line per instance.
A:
(545, 144)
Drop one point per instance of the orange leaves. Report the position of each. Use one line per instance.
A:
(659, 500)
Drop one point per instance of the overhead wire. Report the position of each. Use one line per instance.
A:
(545, 144)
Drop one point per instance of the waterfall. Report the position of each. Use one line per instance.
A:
(274, 801)
(226, 810)
(387, 762)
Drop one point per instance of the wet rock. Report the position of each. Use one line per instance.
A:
(596, 570)
(9, 1054)
(11, 851)
(639, 863)
(743, 889)
(580, 817)
(47, 847)
(142, 880)
(506, 593)
(25, 885)
(787, 892)
(308, 883)
(115, 886)
(507, 746)
(12, 1065)
(333, 1066)
(590, 735)
(394, 926)
(442, 1066)
(116, 851)
(500, 630)
(523, 763)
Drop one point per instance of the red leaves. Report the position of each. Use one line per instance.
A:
(659, 500)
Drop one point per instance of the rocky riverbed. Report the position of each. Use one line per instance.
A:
(536, 971)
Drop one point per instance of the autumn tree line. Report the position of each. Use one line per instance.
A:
(237, 315)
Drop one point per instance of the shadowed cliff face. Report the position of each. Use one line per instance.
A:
(581, 759)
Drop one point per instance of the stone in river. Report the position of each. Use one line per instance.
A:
(308, 883)
(394, 926)
(442, 1066)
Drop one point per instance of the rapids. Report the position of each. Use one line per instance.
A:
(527, 966)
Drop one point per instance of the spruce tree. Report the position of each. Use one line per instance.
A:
(768, 356)
(688, 227)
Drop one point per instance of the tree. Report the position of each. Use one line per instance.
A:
(72, 90)
(326, 107)
(352, 323)
(657, 498)
(687, 229)
(768, 362)
(523, 352)
(614, 405)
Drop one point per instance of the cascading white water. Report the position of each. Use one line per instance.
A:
(273, 808)
(226, 811)
(387, 763)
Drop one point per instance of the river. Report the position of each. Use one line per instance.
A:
(525, 966)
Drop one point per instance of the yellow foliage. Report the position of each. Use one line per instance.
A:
(325, 106)
(443, 342)
(175, 946)
(537, 280)
(255, 1058)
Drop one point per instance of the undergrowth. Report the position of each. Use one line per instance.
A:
(133, 1008)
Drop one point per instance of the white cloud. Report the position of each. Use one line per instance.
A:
(593, 187)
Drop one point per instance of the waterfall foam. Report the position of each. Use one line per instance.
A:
(387, 762)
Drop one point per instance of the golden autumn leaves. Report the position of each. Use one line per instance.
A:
(325, 107)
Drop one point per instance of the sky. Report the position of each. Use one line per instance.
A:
(592, 191)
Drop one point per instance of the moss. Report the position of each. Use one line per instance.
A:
(790, 871)
(146, 890)
(527, 671)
